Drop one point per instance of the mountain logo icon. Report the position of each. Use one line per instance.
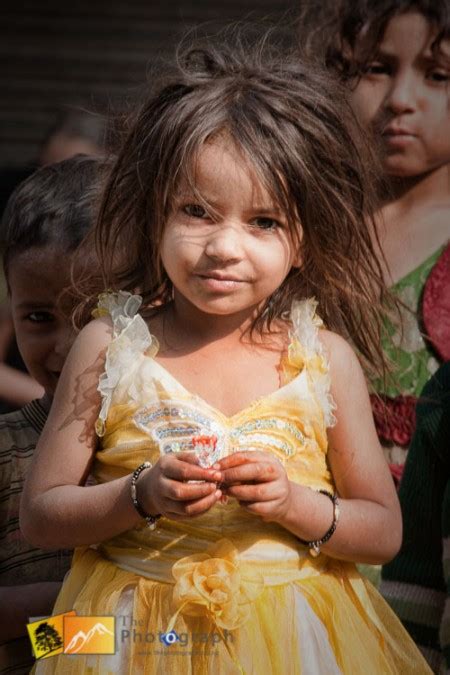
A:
(89, 635)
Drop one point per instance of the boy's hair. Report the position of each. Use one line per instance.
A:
(293, 126)
(329, 30)
(55, 205)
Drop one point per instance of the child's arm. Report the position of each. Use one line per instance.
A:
(369, 528)
(57, 510)
(19, 603)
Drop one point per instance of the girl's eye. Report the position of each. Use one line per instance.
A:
(375, 68)
(265, 223)
(39, 317)
(439, 76)
(195, 211)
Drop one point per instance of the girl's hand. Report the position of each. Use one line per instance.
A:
(258, 480)
(165, 488)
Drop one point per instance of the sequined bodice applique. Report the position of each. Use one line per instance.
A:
(146, 412)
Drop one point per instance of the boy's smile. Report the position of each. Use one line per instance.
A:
(403, 96)
(230, 252)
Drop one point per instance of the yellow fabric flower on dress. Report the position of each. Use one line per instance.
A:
(212, 583)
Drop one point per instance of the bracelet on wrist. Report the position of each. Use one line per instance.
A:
(149, 519)
(314, 546)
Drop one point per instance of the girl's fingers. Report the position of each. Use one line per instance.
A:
(182, 492)
(201, 505)
(251, 456)
(260, 472)
(251, 493)
(189, 457)
(181, 469)
(180, 510)
(238, 458)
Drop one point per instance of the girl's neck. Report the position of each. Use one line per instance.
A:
(407, 194)
(186, 324)
(413, 222)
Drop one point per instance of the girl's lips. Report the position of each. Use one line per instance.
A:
(398, 138)
(395, 132)
(215, 283)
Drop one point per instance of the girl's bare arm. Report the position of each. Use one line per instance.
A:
(369, 527)
(57, 509)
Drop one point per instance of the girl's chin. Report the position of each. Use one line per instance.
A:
(401, 167)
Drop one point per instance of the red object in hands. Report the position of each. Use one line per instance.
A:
(204, 446)
(436, 305)
(395, 418)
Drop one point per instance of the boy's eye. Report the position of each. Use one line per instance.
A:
(195, 211)
(39, 317)
(266, 223)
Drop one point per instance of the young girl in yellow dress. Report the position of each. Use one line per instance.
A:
(239, 472)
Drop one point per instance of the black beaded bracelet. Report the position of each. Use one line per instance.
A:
(314, 546)
(150, 520)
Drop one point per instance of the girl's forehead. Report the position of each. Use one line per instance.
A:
(411, 32)
(220, 166)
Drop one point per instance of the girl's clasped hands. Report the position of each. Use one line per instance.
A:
(177, 487)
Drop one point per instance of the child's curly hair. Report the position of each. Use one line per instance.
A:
(329, 31)
(292, 124)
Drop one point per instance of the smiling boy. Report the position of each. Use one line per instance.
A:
(44, 223)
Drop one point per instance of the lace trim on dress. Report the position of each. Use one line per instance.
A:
(306, 350)
(131, 338)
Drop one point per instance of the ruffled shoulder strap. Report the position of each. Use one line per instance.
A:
(131, 338)
(306, 351)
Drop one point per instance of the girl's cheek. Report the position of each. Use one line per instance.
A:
(366, 102)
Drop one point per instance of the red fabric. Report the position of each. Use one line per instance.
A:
(395, 418)
(436, 305)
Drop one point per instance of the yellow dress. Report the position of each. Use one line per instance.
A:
(223, 593)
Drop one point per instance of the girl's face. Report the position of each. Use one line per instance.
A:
(232, 256)
(403, 96)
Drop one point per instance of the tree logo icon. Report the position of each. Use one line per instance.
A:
(47, 638)
(47, 635)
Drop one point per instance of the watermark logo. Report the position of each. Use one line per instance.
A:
(71, 634)
(89, 635)
(47, 635)
(169, 638)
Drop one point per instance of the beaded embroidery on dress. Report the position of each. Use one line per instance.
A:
(241, 594)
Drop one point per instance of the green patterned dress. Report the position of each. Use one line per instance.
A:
(414, 361)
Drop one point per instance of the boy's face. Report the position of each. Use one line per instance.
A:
(44, 335)
(404, 97)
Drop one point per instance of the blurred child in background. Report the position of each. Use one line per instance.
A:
(75, 131)
(395, 57)
(44, 223)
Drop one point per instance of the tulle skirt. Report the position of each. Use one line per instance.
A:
(268, 618)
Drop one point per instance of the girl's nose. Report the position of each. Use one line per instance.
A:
(402, 95)
(224, 244)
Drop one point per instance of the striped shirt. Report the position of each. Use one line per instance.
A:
(20, 562)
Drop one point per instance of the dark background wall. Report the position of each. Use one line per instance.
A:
(93, 54)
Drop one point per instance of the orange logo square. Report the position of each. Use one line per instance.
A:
(89, 635)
